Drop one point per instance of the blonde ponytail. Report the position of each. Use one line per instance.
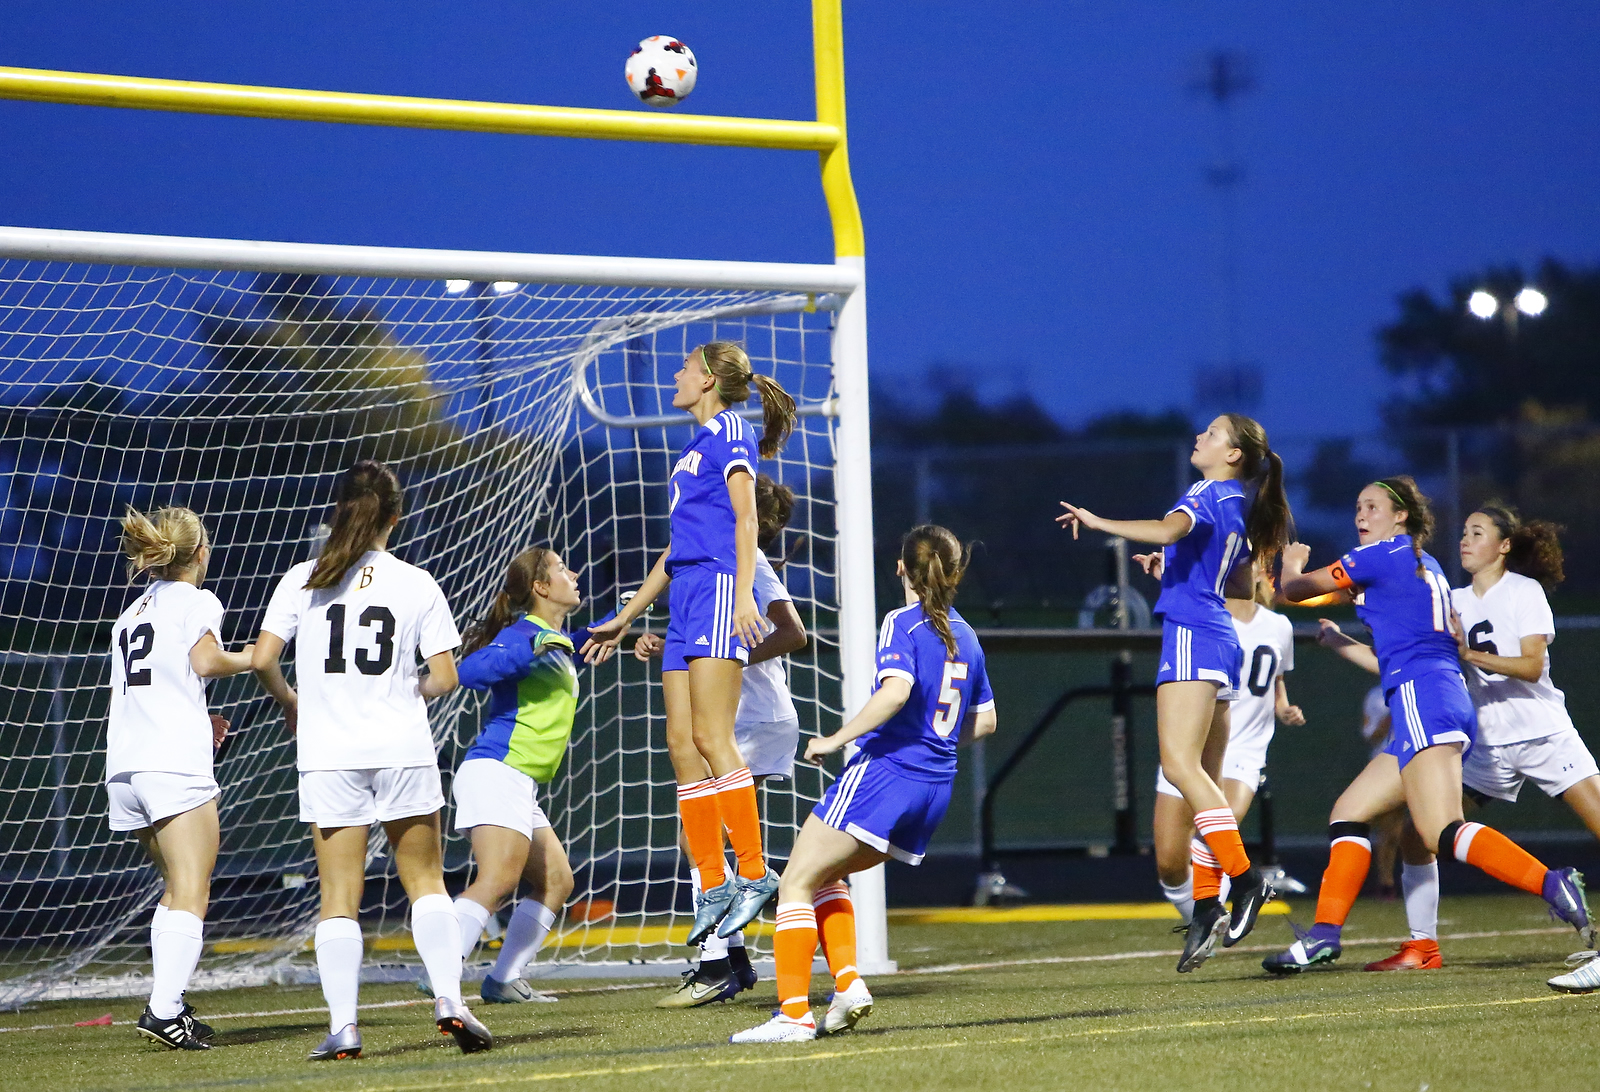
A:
(935, 561)
(729, 365)
(164, 543)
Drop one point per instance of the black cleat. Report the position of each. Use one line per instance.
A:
(1251, 892)
(1200, 939)
(204, 1031)
(177, 1033)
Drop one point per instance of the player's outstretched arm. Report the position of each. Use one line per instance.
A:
(607, 635)
(885, 703)
(1348, 648)
(1299, 585)
(788, 634)
(1158, 532)
(211, 661)
(269, 673)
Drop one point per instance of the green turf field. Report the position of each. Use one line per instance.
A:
(1057, 1005)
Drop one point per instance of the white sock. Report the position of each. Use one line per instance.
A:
(1420, 883)
(436, 932)
(472, 918)
(161, 912)
(1224, 887)
(530, 923)
(339, 966)
(737, 940)
(176, 943)
(1182, 896)
(713, 947)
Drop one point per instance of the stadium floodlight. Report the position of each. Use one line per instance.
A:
(246, 375)
(1532, 302)
(1483, 304)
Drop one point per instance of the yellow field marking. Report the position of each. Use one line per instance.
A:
(621, 935)
(770, 1059)
(1009, 915)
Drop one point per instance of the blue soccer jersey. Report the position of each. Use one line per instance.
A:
(1409, 615)
(1197, 566)
(702, 514)
(920, 740)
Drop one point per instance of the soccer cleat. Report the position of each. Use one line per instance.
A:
(1563, 890)
(743, 973)
(1281, 881)
(1306, 951)
(748, 899)
(515, 992)
(1210, 921)
(1586, 979)
(342, 1044)
(846, 1010)
(1251, 892)
(1414, 955)
(780, 1029)
(178, 1032)
(709, 908)
(204, 1031)
(710, 982)
(455, 1019)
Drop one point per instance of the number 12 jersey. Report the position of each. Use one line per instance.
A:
(356, 661)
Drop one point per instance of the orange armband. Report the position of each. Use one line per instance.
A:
(1340, 577)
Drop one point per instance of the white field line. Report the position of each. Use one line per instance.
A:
(943, 968)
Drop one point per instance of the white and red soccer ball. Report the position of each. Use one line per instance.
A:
(661, 71)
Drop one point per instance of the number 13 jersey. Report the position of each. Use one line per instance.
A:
(158, 720)
(356, 661)
(920, 740)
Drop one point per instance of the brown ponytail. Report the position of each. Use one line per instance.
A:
(1535, 545)
(1409, 498)
(727, 363)
(1270, 524)
(369, 499)
(774, 506)
(516, 597)
(935, 561)
(164, 543)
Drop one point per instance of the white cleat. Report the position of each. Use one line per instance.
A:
(780, 1029)
(1586, 979)
(454, 1019)
(846, 1009)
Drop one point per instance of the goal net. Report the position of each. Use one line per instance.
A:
(517, 406)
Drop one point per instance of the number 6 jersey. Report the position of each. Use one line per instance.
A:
(158, 719)
(356, 660)
(920, 740)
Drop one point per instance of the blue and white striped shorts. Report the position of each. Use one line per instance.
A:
(879, 806)
(701, 622)
(1427, 711)
(1191, 654)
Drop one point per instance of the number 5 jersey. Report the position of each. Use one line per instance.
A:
(358, 649)
(158, 719)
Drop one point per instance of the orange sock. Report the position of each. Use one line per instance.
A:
(1348, 860)
(736, 803)
(794, 946)
(1207, 873)
(1486, 848)
(1221, 831)
(702, 829)
(836, 925)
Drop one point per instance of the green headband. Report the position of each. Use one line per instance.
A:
(1397, 500)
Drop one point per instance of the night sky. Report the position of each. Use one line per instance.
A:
(1032, 175)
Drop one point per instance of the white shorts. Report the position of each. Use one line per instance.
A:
(1554, 763)
(143, 799)
(359, 798)
(488, 793)
(1243, 762)
(769, 749)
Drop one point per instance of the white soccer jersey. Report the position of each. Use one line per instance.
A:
(158, 720)
(1268, 643)
(1510, 710)
(764, 696)
(357, 644)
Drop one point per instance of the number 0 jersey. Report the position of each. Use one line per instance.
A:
(701, 512)
(920, 740)
(1268, 643)
(1196, 567)
(158, 720)
(1409, 615)
(1511, 710)
(356, 661)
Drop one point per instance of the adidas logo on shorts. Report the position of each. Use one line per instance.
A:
(702, 641)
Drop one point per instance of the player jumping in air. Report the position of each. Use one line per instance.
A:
(362, 619)
(932, 694)
(1236, 512)
(1403, 597)
(711, 567)
(160, 741)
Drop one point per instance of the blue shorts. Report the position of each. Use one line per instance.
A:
(1427, 711)
(879, 806)
(700, 601)
(1190, 654)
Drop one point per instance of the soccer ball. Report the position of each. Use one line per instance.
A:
(661, 71)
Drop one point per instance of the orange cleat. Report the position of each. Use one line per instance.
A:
(1414, 955)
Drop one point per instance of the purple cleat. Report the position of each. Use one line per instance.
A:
(1563, 890)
